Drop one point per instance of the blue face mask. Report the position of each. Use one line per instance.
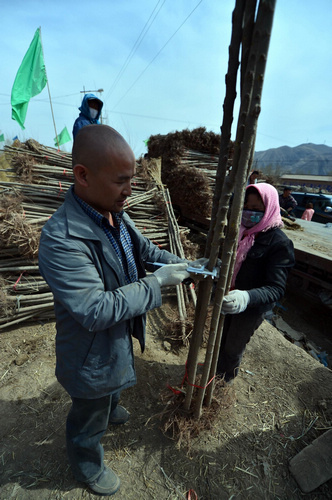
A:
(250, 218)
(93, 113)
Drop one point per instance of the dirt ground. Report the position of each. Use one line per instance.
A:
(279, 403)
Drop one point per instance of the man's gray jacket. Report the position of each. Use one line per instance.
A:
(96, 311)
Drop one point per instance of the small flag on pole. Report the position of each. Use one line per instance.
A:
(15, 138)
(63, 137)
(2, 138)
(30, 79)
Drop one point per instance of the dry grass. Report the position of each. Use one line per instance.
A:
(197, 139)
(6, 306)
(190, 189)
(180, 425)
(293, 226)
(239, 448)
(178, 332)
(191, 249)
(9, 205)
(15, 231)
(150, 171)
(189, 186)
(23, 165)
(5, 165)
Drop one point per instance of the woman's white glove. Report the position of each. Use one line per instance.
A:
(235, 302)
(172, 274)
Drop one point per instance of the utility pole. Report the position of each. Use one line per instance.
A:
(100, 91)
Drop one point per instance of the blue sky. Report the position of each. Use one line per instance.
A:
(174, 77)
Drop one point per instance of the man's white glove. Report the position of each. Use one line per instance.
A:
(235, 302)
(172, 274)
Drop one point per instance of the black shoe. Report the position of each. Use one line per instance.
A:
(225, 379)
(229, 382)
(119, 416)
(107, 483)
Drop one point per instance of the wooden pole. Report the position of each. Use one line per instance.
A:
(254, 56)
(49, 93)
(231, 80)
(256, 65)
(205, 287)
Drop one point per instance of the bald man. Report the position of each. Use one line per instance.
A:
(94, 259)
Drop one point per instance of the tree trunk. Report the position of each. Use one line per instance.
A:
(251, 90)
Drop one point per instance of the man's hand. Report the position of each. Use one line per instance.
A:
(235, 302)
(172, 274)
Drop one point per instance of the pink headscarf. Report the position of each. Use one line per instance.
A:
(271, 218)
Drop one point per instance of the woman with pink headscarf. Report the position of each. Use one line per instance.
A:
(264, 257)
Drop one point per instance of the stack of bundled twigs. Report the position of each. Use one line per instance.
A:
(189, 166)
(207, 163)
(42, 177)
(33, 162)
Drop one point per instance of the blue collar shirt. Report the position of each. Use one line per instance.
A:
(118, 236)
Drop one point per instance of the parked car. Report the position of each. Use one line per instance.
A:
(322, 205)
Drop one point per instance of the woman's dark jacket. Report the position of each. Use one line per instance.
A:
(264, 271)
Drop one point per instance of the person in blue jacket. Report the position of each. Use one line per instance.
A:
(94, 261)
(90, 111)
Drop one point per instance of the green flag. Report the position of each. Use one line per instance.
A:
(30, 79)
(63, 137)
(2, 138)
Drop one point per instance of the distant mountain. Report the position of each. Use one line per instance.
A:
(310, 159)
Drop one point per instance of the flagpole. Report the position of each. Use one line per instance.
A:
(48, 88)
